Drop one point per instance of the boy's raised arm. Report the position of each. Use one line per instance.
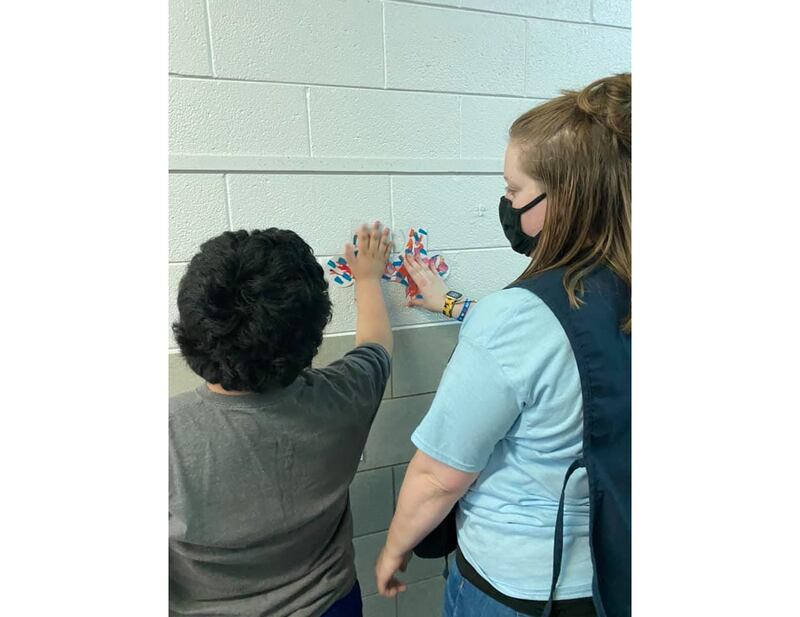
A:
(372, 319)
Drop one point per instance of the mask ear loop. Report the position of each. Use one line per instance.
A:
(527, 207)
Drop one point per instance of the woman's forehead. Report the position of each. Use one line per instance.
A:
(511, 170)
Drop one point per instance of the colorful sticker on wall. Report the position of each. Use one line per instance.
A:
(395, 271)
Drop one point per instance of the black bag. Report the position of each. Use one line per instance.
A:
(441, 541)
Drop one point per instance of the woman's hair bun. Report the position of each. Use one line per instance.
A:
(608, 102)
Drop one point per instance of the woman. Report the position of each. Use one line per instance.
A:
(532, 415)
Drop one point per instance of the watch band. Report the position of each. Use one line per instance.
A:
(450, 299)
(449, 303)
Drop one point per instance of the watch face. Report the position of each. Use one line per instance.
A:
(453, 294)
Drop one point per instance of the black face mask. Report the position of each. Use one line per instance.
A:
(510, 219)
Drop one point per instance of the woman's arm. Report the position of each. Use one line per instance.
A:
(431, 287)
(430, 490)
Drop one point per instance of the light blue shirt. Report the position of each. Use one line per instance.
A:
(510, 407)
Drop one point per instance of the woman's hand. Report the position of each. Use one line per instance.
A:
(431, 286)
(386, 567)
(374, 247)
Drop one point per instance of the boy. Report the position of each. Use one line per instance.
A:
(262, 455)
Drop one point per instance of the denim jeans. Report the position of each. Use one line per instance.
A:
(349, 606)
(463, 599)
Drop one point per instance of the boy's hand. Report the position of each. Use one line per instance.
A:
(374, 247)
(431, 286)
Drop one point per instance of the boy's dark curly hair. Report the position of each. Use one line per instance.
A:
(252, 309)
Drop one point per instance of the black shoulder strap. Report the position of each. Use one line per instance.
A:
(558, 543)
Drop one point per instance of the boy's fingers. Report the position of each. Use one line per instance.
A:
(363, 238)
(349, 253)
(375, 240)
(386, 243)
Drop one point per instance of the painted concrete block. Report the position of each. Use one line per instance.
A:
(420, 356)
(430, 48)
(451, 3)
(197, 212)
(422, 569)
(347, 122)
(188, 38)
(479, 273)
(423, 599)
(389, 441)
(378, 606)
(372, 501)
(574, 10)
(485, 122)
(323, 209)
(175, 274)
(229, 117)
(305, 41)
(333, 348)
(399, 472)
(457, 211)
(181, 377)
(344, 306)
(367, 549)
(562, 55)
(612, 12)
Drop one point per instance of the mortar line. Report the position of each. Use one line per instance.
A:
(394, 492)
(228, 202)
(422, 580)
(460, 128)
(509, 14)
(479, 249)
(383, 40)
(308, 121)
(525, 59)
(327, 172)
(210, 42)
(347, 87)
(391, 202)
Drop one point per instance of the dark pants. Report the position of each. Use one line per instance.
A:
(349, 606)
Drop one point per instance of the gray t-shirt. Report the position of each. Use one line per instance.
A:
(259, 517)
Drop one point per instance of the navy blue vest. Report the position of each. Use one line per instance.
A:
(603, 355)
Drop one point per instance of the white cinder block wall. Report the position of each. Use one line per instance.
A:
(315, 115)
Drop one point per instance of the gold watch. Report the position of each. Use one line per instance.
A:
(450, 300)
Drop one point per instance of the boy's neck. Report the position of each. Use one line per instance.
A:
(215, 387)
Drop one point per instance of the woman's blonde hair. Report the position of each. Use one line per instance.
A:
(578, 146)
